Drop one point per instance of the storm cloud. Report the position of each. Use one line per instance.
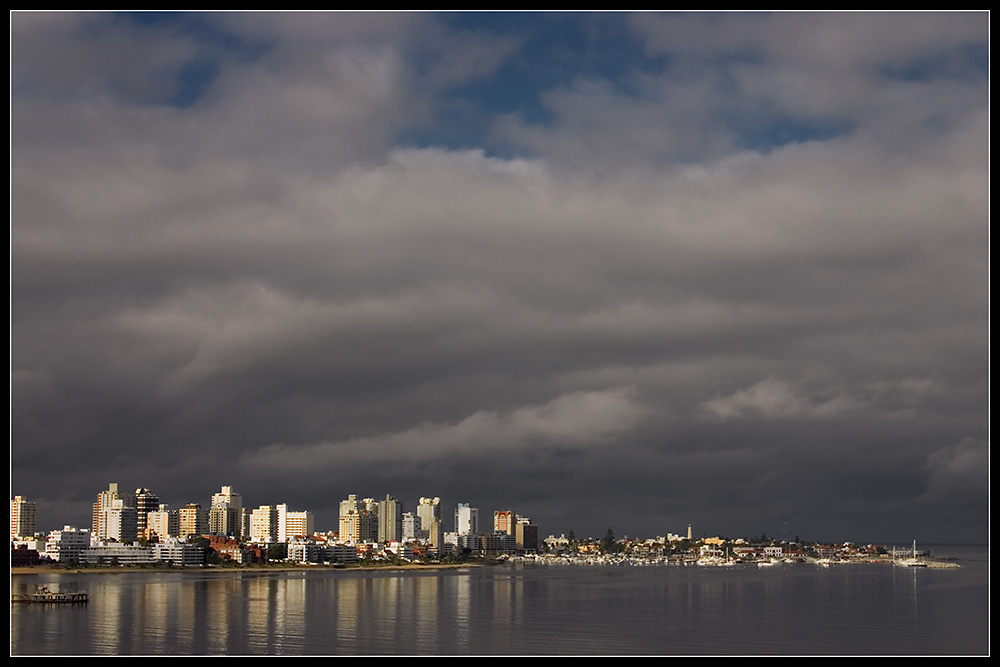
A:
(637, 270)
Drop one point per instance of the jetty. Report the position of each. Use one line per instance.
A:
(44, 596)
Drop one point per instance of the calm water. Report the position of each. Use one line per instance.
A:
(786, 609)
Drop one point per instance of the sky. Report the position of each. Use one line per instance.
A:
(626, 270)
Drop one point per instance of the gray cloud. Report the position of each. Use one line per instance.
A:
(266, 288)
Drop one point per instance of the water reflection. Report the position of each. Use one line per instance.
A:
(784, 609)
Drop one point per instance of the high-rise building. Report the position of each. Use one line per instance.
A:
(390, 519)
(104, 501)
(466, 519)
(411, 527)
(296, 524)
(118, 522)
(164, 522)
(435, 535)
(350, 527)
(526, 534)
(144, 502)
(22, 518)
(428, 510)
(293, 524)
(264, 524)
(193, 520)
(350, 520)
(225, 517)
(504, 521)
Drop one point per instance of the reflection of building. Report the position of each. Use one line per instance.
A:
(22, 518)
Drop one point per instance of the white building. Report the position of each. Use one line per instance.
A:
(264, 525)
(411, 527)
(225, 517)
(119, 522)
(466, 519)
(164, 522)
(67, 545)
(118, 554)
(295, 524)
(178, 552)
(428, 511)
(104, 501)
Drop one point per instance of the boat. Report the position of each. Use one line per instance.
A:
(43, 595)
(912, 561)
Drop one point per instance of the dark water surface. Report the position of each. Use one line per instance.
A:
(519, 610)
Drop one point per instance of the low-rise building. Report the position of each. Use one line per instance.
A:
(67, 545)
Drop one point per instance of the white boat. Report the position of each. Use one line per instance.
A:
(912, 561)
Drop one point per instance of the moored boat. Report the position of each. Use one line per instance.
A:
(43, 595)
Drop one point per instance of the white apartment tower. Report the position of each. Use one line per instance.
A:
(264, 524)
(163, 523)
(225, 517)
(104, 501)
(466, 519)
(295, 524)
(118, 522)
(22, 518)
(429, 511)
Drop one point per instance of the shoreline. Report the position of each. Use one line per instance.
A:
(408, 567)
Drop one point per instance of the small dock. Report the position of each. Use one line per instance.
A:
(44, 596)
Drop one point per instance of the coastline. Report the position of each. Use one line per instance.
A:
(408, 567)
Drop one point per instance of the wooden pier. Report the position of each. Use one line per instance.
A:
(44, 596)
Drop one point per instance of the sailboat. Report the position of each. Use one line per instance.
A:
(912, 561)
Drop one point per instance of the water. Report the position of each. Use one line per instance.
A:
(530, 610)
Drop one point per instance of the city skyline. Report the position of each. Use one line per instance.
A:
(637, 270)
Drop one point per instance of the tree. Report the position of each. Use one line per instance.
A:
(608, 543)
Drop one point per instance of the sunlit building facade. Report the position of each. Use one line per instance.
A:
(22, 518)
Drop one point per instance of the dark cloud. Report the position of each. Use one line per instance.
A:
(638, 321)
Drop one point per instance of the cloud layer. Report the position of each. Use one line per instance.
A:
(640, 270)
